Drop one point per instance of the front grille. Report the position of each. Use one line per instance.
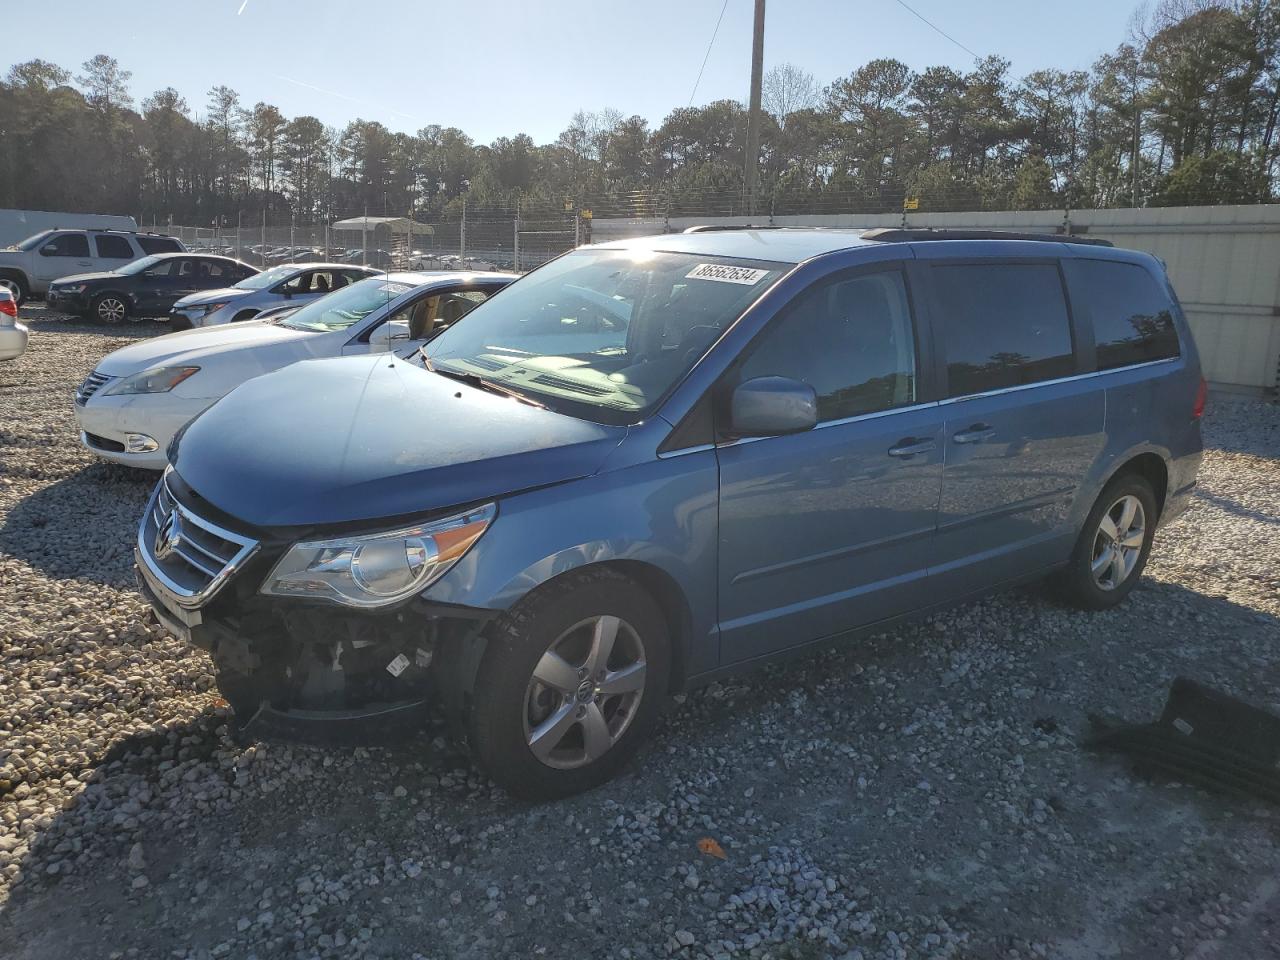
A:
(191, 556)
(92, 384)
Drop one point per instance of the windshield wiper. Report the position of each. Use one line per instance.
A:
(479, 382)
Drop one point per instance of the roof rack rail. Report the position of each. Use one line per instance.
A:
(898, 235)
(717, 227)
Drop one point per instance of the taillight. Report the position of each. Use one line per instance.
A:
(1202, 394)
(7, 306)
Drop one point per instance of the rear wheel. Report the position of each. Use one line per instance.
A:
(1113, 547)
(570, 685)
(109, 308)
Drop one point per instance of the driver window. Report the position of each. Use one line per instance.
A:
(161, 269)
(299, 284)
(428, 316)
(850, 339)
(67, 245)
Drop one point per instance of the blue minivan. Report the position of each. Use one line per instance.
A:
(653, 462)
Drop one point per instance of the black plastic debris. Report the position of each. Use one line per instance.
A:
(1203, 737)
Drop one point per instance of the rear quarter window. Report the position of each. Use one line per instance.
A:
(1003, 325)
(1132, 314)
(159, 245)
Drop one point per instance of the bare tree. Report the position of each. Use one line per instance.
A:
(786, 89)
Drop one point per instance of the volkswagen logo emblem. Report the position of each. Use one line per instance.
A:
(169, 536)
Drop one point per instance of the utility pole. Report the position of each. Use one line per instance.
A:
(753, 117)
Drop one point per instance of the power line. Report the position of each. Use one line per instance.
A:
(723, 8)
(937, 28)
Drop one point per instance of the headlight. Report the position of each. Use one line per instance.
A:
(380, 568)
(70, 288)
(155, 380)
(208, 308)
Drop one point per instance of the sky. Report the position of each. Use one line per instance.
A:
(499, 67)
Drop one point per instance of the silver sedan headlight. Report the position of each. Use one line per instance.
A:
(380, 568)
(155, 380)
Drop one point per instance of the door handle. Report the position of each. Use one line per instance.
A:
(975, 434)
(908, 447)
(84, 263)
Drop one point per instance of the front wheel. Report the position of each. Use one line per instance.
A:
(16, 286)
(1113, 547)
(570, 685)
(109, 308)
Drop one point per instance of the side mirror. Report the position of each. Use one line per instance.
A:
(391, 330)
(49, 250)
(772, 406)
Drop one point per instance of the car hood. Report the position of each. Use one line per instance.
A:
(189, 347)
(212, 296)
(84, 278)
(375, 438)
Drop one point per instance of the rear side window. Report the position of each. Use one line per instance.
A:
(1132, 314)
(850, 339)
(112, 247)
(1004, 325)
(159, 244)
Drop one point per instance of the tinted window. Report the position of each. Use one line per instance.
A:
(162, 269)
(211, 269)
(159, 244)
(851, 340)
(112, 247)
(1003, 325)
(67, 245)
(1132, 314)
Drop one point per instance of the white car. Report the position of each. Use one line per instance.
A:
(13, 335)
(130, 407)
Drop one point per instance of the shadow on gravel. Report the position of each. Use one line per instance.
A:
(1227, 505)
(71, 529)
(210, 815)
(41, 321)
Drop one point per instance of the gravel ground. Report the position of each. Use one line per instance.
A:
(922, 794)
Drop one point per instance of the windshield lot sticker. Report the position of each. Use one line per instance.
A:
(724, 274)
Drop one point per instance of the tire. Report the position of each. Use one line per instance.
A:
(16, 284)
(1094, 579)
(109, 308)
(244, 315)
(510, 705)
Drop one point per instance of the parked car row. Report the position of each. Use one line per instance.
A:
(29, 267)
(644, 465)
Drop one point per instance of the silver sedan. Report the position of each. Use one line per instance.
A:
(290, 283)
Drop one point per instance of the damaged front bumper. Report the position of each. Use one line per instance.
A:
(314, 673)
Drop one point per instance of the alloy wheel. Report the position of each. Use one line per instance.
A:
(111, 310)
(12, 287)
(1118, 542)
(584, 692)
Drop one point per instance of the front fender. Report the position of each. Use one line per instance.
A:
(660, 514)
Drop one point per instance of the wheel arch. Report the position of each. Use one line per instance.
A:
(1153, 468)
(242, 315)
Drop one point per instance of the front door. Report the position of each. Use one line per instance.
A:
(1021, 430)
(830, 529)
(63, 255)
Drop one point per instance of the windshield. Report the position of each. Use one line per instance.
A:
(138, 265)
(342, 308)
(32, 242)
(603, 333)
(267, 278)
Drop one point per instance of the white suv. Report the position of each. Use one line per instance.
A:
(30, 266)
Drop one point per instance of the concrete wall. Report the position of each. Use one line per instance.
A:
(17, 225)
(1224, 263)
